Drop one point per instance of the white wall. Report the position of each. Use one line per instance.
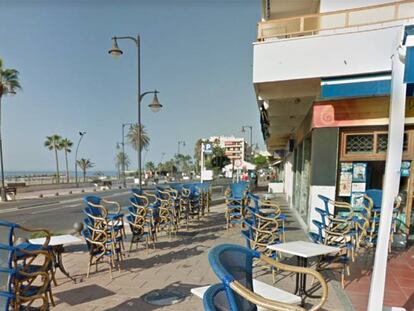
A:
(314, 201)
(324, 55)
(288, 180)
(336, 5)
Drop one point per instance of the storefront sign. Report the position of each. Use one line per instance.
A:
(356, 112)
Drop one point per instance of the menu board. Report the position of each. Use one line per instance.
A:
(359, 172)
(345, 179)
(359, 179)
(405, 168)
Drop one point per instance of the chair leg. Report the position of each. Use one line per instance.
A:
(51, 298)
(89, 267)
(131, 243)
(110, 267)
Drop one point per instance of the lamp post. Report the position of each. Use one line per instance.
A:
(155, 105)
(182, 143)
(123, 153)
(81, 134)
(251, 137)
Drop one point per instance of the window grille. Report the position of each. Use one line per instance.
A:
(359, 143)
(382, 142)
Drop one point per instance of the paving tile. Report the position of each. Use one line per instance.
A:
(179, 263)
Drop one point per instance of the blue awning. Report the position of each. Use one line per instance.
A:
(356, 86)
(409, 66)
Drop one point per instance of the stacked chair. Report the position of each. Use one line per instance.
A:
(26, 270)
(167, 220)
(263, 229)
(376, 196)
(237, 290)
(205, 197)
(190, 203)
(103, 232)
(340, 227)
(236, 197)
(141, 220)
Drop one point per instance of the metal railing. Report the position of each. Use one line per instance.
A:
(314, 23)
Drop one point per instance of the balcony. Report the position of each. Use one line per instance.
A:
(312, 24)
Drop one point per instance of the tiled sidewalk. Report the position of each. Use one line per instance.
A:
(399, 287)
(180, 263)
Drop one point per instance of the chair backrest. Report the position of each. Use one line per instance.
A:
(139, 201)
(255, 199)
(376, 196)
(238, 189)
(6, 273)
(234, 263)
(137, 191)
(92, 199)
(7, 232)
(215, 299)
(325, 201)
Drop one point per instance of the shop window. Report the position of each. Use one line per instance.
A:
(382, 142)
(359, 143)
(371, 145)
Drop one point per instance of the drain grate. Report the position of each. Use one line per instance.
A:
(164, 297)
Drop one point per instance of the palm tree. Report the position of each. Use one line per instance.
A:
(84, 164)
(134, 140)
(122, 160)
(150, 166)
(66, 144)
(9, 83)
(54, 143)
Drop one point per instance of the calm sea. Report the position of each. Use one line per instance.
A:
(50, 173)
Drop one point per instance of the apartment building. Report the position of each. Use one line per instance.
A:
(323, 76)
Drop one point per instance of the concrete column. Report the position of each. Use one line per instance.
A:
(324, 167)
(391, 181)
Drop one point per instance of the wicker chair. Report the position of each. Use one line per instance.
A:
(233, 266)
(115, 218)
(100, 246)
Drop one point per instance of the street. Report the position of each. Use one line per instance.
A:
(55, 214)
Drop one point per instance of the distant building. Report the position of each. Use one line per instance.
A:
(234, 148)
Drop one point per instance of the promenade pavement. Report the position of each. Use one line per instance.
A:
(180, 264)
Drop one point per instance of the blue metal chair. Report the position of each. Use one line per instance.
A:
(233, 265)
(24, 286)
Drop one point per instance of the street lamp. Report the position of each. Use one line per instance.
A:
(182, 143)
(243, 130)
(155, 105)
(123, 153)
(81, 134)
(5, 91)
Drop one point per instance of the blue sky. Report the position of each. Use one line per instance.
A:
(198, 54)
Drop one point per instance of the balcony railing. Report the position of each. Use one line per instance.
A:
(314, 23)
